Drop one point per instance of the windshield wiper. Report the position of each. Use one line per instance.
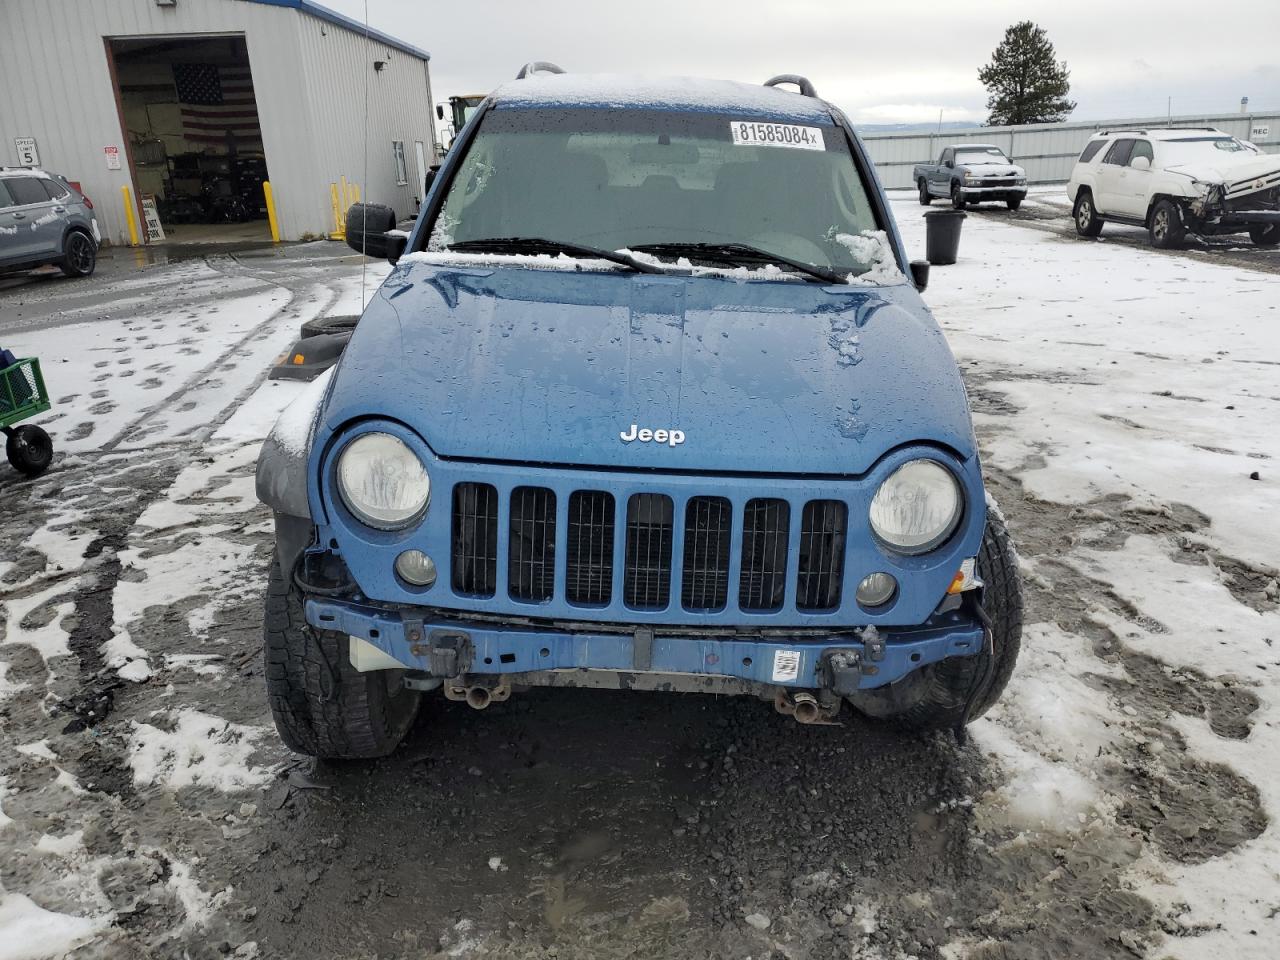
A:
(542, 245)
(739, 253)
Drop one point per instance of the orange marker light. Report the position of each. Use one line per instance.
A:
(957, 582)
(299, 359)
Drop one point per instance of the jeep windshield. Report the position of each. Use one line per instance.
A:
(666, 186)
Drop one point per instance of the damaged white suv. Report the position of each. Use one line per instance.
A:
(1175, 181)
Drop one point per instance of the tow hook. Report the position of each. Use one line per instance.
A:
(804, 707)
(477, 696)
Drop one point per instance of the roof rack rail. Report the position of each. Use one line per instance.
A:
(1107, 133)
(538, 66)
(806, 88)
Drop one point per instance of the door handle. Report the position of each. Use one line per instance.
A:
(59, 209)
(19, 216)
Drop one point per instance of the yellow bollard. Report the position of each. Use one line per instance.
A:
(346, 202)
(355, 193)
(130, 216)
(271, 211)
(339, 225)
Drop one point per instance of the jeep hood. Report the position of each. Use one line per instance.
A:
(525, 365)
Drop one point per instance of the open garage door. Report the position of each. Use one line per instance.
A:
(195, 150)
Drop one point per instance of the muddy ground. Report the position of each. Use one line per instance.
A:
(559, 824)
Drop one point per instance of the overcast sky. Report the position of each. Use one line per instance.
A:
(883, 62)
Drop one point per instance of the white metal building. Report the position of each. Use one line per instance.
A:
(1048, 151)
(192, 103)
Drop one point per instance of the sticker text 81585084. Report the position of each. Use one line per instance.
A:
(757, 134)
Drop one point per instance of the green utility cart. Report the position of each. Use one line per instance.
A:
(22, 395)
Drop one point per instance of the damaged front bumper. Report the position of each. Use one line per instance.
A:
(435, 645)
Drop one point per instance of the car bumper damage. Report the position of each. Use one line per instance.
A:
(1235, 206)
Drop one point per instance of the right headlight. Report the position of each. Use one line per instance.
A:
(382, 481)
(917, 507)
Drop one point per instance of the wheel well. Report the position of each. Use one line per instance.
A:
(1179, 202)
(73, 228)
(1081, 191)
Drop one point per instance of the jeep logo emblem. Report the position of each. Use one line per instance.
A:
(671, 438)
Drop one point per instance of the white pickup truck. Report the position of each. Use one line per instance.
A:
(1175, 181)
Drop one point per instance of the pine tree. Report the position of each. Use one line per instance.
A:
(1026, 84)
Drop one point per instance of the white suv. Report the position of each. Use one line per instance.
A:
(1175, 181)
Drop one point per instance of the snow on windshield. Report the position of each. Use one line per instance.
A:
(1202, 149)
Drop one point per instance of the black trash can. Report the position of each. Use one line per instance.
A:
(942, 236)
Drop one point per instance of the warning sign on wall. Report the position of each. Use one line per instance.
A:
(155, 231)
(113, 157)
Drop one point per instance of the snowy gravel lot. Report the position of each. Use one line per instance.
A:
(1122, 801)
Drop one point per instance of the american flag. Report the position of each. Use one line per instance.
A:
(217, 104)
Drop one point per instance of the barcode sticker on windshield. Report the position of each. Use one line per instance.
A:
(755, 134)
(786, 665)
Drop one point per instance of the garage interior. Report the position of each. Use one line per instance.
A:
(194, 139)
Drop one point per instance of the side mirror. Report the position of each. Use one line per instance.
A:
(920, 274)
(367, 226)
(1140, 163)
(439, 111)
(950, 164)
(431, 178)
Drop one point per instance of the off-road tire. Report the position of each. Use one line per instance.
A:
(1265, 234)
(934, 696)
(79, 255)
(29, 449)
(925, 198)
(1165, 227)
(322, 706)
(1085, 215)
(957, 198)
(1014, 203)
(322, 325)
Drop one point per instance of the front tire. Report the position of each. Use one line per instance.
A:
(1265, 234)
(934, 697)
(322, 705)
(1014, 203)
(1085, 215)
(925, 198)
(29, 449)
(1166, 228)
(79, 255)
(957, 198)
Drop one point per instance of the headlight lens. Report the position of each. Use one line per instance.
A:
(917, 507)
(382, 481)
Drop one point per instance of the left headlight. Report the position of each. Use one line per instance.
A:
(917, 508)
(382, 481)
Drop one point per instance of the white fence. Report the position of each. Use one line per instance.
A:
(1047, 150)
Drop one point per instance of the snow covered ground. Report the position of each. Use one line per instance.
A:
(1121, 801)
(1131, 401)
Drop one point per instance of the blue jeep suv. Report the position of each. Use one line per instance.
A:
(650, 402)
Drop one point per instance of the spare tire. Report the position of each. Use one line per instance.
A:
(321, 325)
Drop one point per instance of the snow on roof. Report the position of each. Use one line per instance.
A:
(977, 146)
(662, 93)
(1162, 133)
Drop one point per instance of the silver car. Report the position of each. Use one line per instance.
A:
(45, 220)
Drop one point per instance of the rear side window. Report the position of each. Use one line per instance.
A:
(26, 190)
(5, 199)
(55, 190)
(1119, 153)
(1091, 150)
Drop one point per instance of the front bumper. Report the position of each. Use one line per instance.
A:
(1004, 192)
(427, 640)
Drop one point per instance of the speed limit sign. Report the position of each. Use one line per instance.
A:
(27, 155)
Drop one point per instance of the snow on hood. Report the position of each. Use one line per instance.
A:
(993, 168)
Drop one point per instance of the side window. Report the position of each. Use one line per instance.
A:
(1119, 153)
(26, 190)
(1091, 150)
(946, 156)
(1141, 148)
(397, 151)
(55, 190)
(5, 199)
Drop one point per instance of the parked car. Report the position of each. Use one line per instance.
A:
(1175, 181)
(652, 403)
(971, 173)
(45, 220)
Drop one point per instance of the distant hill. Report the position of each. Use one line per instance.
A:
(915, 127)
